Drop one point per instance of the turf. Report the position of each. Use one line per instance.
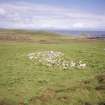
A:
(22, 82)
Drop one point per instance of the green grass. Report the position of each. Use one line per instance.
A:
(21, 81)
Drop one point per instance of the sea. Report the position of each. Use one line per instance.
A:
(81, 33)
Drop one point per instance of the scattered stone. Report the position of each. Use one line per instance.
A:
(55, 59)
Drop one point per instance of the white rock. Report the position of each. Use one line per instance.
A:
(72, 64)
(31, 57)
(82, 65)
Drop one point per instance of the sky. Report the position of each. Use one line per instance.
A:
(53, 14)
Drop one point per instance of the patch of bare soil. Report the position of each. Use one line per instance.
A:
(7, 102)
(101, 103)
(101, 78)
(46, 96)
(101, 82)
(63, 99)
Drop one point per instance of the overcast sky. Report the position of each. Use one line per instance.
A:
(53, 14)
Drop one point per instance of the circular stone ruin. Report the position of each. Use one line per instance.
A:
(55, 59)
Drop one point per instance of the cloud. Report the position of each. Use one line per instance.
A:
(2, 11)
(41, 16)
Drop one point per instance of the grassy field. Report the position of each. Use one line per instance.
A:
(22, 82)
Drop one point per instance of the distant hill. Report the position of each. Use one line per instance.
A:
(30, 36)
(45, 37)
